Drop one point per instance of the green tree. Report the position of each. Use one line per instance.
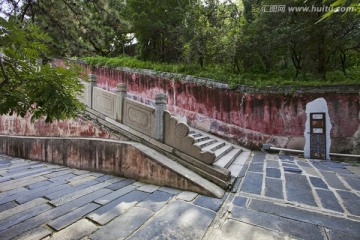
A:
(312, 46)
(78, 27)
(158, 27)
(27, 85)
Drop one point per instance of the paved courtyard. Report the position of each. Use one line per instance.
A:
(280, 197)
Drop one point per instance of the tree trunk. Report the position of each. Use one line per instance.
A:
(322, 55)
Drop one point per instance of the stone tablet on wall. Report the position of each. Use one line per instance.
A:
(317, 130)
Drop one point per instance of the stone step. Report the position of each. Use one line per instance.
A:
(195, 135)
(214, 146)
(228, 159)
(238, 164)
(201, 139)
(241, 159)
(222, 151)
(205, 143)
(192, 132)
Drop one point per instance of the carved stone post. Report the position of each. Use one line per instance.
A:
(160, 107)
(121, 95)
(89, 97)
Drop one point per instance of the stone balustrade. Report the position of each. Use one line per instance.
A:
(154, 122)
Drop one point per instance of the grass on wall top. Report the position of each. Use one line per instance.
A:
(226, 75)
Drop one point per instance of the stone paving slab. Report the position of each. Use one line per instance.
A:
(78, 230)
(333, 180)
(12, 192)
(328, 200)
(318, 182)
(267, 204)
(120, 184)
(43, 191)
(209, 202)
(130, 222)
(39, 184)
(298, 189)
(351, 201)
(307, 216)
(77, 194)
(187, 196)
(16, 176)
(9, 185)
(117, 207)
(6, 206)
(54, 213)
(155, 201)
(274, 188)
(72, 216)
(341, 235)
(35, 234)
(178, 220)
(354, 183)
(115, 194)
(69, 189)
(27, 214)
(275, 223)
(252, 183)
(235, 230)
(311, 171)
(21, 208)
(273, 172)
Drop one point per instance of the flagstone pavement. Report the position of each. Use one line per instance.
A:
(279, 197)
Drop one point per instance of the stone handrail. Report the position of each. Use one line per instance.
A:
(177, 136)
(154, 122)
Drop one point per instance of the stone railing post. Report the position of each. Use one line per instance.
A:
(120, 99)
(92, 83)
(160, 107)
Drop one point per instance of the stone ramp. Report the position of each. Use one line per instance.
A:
(228, 161)
(121, 158)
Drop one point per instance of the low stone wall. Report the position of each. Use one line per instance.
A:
(78, 127)
(250, 116)
(120, 158)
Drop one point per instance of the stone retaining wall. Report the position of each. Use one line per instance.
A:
(250, 116)
(79, 127)
(120, 158)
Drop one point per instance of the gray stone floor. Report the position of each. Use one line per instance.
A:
(280, 197)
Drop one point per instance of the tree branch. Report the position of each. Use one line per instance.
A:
(6, 81)
(14, 70)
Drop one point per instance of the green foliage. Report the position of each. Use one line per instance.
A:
(235, 41)
(79, 27)
(223, 74)
(355, 4)
(158, 27)
(26, 85)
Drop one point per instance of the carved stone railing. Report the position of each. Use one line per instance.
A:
(154, 122)
(177, 136)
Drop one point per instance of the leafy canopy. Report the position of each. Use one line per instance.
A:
(27, 85)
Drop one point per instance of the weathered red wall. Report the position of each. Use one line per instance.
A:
(79, 127)
(249, 117)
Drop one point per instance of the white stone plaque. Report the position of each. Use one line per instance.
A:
(318, 107)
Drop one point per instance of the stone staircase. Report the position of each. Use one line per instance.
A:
(228, 156)
(223, 172)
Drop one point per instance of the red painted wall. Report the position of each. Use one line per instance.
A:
(79, 127)
(251, 119)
